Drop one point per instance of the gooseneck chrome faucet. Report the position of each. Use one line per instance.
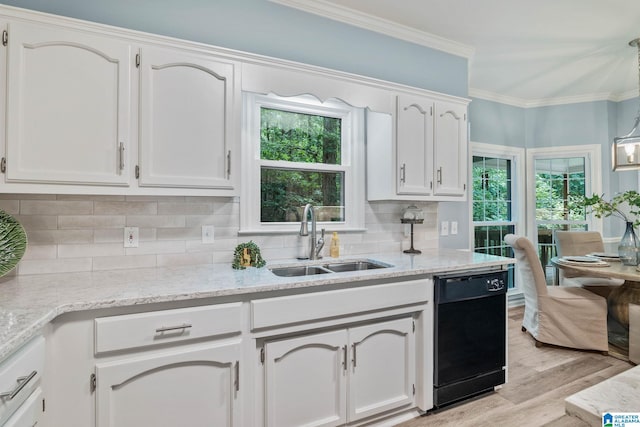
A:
(315, 246)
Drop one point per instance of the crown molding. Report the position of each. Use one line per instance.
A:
(548, 102)
(373, 23)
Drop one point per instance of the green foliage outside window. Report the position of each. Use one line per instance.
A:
(560, 197)
(491, 191)
(303, 138)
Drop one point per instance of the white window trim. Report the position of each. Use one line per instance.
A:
(518, 213)
(593, 178)
(516, 155)
(352, 156)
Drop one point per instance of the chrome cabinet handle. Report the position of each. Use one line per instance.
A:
(403, 173)
(121, 151)
(228, 164)
(22, 382)
(237, 375)
(173, 328)
(439, 175)
(354, 354)
(345, 356)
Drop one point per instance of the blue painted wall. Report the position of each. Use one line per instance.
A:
(495, 123)
(263, 27)
(571, 124)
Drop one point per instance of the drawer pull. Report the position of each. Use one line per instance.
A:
(173, 328)
(22, 382)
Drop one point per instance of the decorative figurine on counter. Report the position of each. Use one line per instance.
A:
(247, 255)
(412, 215)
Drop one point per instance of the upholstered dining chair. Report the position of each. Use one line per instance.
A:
(571, 243)
(564, 316)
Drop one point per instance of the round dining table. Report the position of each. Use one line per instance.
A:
(620, 296)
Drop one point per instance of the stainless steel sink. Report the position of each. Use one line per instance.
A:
(299, 270)
(341, 267)
(337, 267)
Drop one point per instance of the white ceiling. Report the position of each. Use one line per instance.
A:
(522, 52)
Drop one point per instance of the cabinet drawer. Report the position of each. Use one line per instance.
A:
(321, 305)
(29, 413)
(159, 327)
(20, 375)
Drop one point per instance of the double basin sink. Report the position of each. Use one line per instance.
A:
(336, 267)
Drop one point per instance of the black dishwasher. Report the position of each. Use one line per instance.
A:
(469, 336)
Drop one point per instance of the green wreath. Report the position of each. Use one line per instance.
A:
(252, 256)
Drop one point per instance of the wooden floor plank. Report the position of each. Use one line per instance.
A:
(539, 381)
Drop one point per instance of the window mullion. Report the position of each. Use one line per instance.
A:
(279, 164)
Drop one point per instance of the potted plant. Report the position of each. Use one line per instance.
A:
(625, 206)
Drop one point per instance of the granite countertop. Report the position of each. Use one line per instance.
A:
(27, 303)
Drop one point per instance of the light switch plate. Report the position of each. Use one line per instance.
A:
(131, 237)
(444, 228)
(454, 227)
(207, 234)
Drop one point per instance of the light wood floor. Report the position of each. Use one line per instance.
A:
(539, 381)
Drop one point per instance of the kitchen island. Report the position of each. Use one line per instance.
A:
(77, 312)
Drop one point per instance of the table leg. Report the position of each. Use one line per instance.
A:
(618, 303)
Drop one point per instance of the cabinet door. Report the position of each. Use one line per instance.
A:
(188, 117)
(196, 387)
(306, 380)
(68, 106)
(382, 367)
(414, 145)
(450, 149)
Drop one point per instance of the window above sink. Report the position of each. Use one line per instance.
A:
(301, 151)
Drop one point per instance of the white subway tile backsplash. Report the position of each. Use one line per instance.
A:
(124, 262)
(198, 246)
(59, 265)
(174, 260)
(69, 233)
(181, 233)
(90, 221)
(185, 208)
(126, 208)
(158, 247)
(41, 252)
(94, 250)
(10, 206)
(57, 207)
(38, 222)
(155, 221)
(47, 237)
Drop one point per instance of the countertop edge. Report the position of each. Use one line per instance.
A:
(40, 316)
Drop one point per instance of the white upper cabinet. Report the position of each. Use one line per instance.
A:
(424, 156)
(450, 152)
(414, 144)
(187, 119)
(68, 106)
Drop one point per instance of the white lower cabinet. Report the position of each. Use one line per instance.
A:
(197, 387)
(338, 377)
(382, 374)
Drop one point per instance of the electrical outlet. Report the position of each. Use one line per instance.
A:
(131, 237)
(207, 234)
(444, 228)
(454, 227)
